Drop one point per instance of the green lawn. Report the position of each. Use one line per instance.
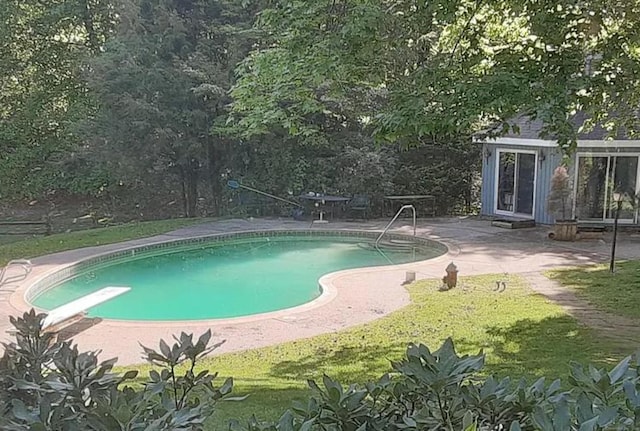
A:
(38, 246)
(522, 333)
(618, 293)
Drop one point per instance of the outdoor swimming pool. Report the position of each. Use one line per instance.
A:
(224, 279)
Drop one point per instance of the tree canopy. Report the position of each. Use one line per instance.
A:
(415, 69)
(162, 83)
(42, 44)
(154, 102)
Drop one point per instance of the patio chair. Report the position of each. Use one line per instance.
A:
(361, 204)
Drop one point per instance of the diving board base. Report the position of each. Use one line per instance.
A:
(75, 311)
(65, 323)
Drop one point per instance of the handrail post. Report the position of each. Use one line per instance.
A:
(414, 220)
(413, 209)
(25, 264)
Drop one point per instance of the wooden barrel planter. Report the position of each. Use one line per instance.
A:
(565, 230)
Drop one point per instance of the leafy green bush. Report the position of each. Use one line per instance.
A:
(442, 391)
(49, 385)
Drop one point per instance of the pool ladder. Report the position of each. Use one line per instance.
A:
(24, 264)
(404, 207)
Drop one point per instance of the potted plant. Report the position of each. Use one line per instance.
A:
(560, 206)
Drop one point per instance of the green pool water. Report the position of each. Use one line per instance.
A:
(227, 279)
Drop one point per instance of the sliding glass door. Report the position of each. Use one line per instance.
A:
(591, 188)
(598, 177)
(623, 174)
(516, 178)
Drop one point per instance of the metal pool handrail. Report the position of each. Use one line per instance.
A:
(402, 208)
(23, 263)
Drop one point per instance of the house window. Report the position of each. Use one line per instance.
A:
(516, 175)
(597, 177)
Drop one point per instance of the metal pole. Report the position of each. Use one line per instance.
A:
(251, 189)
(402, 208)
(413, 209)
(612, 264)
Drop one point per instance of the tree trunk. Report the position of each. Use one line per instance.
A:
(191, 188)
(92, 37)
(183, 183)
(468, 194)
(213, 175)
(189, 184)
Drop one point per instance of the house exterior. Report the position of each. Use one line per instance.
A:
(517, 170)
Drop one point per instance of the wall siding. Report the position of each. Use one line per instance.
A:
(488, 189)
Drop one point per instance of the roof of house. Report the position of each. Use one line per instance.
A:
(530, 129)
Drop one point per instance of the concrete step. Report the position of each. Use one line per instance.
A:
(389, 246)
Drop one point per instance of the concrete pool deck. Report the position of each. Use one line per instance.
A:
(362, 295)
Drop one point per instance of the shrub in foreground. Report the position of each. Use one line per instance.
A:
(49, 385)
(46, 385)
(442, 391)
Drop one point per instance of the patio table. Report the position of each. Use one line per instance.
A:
(322, 200)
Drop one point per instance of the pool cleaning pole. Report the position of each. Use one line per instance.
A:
(234, 185)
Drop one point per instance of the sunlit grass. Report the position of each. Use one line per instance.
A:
(42, 245)
(522, 333)
(618, 293)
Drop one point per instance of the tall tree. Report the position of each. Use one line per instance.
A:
(443, 67)
(162, 83)
(42, 45)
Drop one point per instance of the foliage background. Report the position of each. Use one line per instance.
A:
(137, 109)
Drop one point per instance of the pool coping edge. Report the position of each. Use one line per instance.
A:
(19, 298)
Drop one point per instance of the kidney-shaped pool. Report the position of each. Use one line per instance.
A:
(228, 278)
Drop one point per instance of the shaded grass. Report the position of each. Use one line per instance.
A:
(38, 246)
(6, 239)
(617, 293)
(522, 333)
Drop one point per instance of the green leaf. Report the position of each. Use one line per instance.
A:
(608, 416)
(620, 370)
(129, 375)
(589, 425)
(468, 420)
(307, 425)
(20, 411)
(286, 422)
(562, 415)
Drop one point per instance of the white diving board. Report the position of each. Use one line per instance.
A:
(75, 310)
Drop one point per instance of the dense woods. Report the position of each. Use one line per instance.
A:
(145, 108)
